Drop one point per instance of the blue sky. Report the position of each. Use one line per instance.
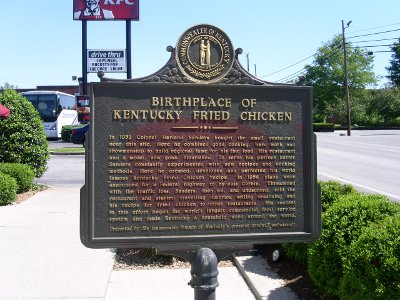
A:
(41, 44)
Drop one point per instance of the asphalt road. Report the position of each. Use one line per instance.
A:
(64, 170)
(368, 160)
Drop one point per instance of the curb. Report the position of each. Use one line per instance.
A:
(246, 278)
(260, 279)
(66, 153)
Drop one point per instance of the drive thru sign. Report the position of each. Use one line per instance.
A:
(108, 61)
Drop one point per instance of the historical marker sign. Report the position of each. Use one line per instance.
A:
(185, 166)
(199, 165)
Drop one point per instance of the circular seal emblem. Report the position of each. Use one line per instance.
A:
(204, 53)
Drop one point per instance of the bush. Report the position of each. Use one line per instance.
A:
(22, 136)
(324, 127)
(8, 189)
(66, 132)
(296, 251)
(330, 192)
(342, 224)
(372, 268)
(395, 122)
(23, 175)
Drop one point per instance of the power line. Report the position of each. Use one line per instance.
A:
(338, 48)
(288, 66)
(296, 63)
(379, 40)
(355, 36)
(381, 51)
(361, 30)
(372, 46)
(295, 74)
(291, 76)
(334, 49)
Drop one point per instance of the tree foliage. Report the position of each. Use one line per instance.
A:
(385, 103)
(8, 86)
(22, 136)
(326, 75)
(394, 68)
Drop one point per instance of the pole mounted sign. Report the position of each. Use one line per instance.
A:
(100, 10)
(200, 154)
(106, 10)
(108, 61)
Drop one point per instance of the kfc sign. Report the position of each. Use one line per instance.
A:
(106, 9)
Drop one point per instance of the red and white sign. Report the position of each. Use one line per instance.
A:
(99, 10)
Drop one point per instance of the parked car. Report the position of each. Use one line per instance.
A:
(78, 134)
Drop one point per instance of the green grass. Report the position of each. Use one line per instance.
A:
(69, 150)
(37, 187)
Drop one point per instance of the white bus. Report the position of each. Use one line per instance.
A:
(56, 109)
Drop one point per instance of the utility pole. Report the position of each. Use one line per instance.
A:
(346, 84)
(247, 56)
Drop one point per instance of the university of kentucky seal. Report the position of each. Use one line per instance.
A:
(204, 53)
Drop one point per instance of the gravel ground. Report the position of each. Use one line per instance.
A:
(24, 196)
(145, 259)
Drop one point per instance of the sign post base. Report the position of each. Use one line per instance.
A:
(204, 273)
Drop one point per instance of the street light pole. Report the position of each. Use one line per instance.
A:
(346, 84)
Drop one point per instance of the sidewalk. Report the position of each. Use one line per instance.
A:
(41, 257)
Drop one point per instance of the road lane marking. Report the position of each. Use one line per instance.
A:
(391, 196)
(394, 148)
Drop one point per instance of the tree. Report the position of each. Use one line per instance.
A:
(8, 86)
(22, 136)
(326, 75)
(385, 103)
(359, 110)
(394, 68)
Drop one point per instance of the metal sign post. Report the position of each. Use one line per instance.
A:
(84, 57)
(128, 50)
(204, 273)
